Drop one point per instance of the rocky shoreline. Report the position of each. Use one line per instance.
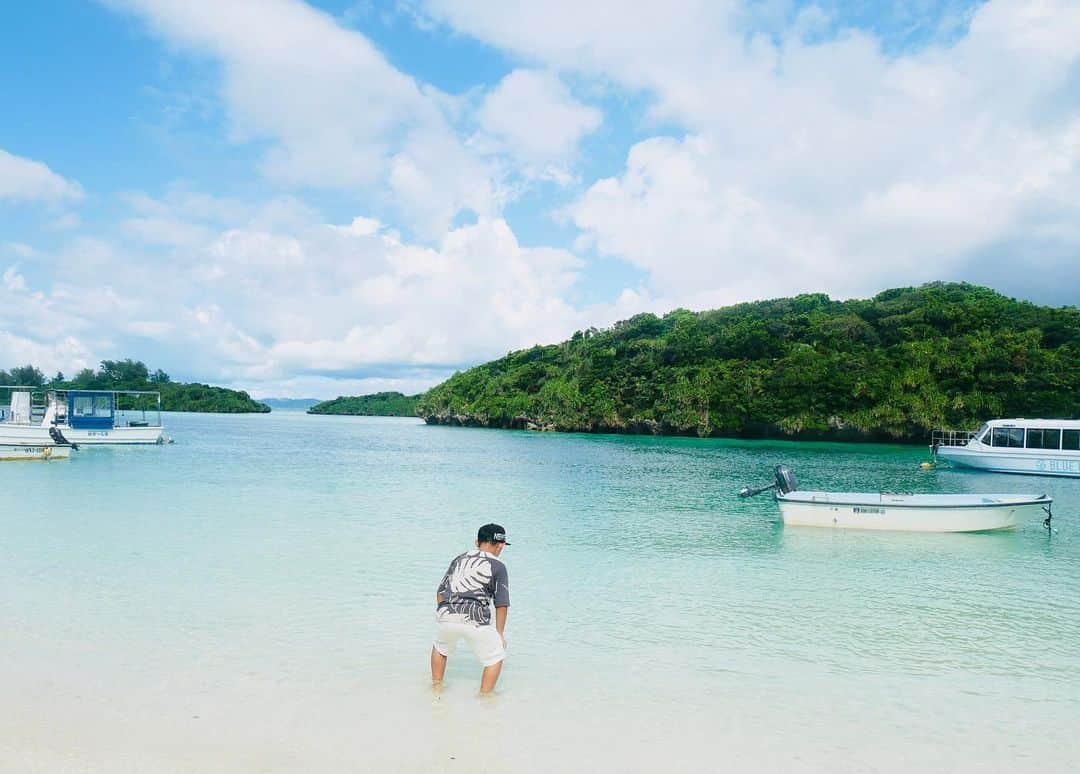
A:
(837, 431)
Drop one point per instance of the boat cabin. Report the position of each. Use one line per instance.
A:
(1041, 434)
(89, 410)
(1042, 447)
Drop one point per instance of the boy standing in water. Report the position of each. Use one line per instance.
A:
(474, 581)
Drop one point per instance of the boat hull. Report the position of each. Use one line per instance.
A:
(35, 434)
(1019, 461)
(25, 435)
(911, 513)
(28, 452)
(114, 436)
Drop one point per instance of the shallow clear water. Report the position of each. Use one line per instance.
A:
(258, 596)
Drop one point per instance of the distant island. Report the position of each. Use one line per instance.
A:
(291, 404)
(134, 375)
(379, 404)
(891, 368)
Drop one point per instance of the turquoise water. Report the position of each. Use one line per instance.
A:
(258, 597)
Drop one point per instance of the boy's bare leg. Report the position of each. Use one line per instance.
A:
(490, 677)
(438, 669)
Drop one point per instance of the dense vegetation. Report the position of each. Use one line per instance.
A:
(134, 375)
(893, 366)
(379, 404)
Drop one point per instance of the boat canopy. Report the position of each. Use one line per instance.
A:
(90, 409)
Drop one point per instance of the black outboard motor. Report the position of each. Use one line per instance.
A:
(785, 482)
(56, 435)
(785, 479)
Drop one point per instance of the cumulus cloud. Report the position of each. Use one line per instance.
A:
(349, 299)
(532, 116)
(812, 158)
(599, 37)
(702, 243)
(272, 304)
(35, 328)
(335, 113)
(23, 179)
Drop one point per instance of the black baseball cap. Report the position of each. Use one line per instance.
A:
(491, 533)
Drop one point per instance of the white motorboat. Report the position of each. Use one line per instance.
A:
(83, 416)
(902, 512)
(1041, 447)
(32, 442)
(26, 452)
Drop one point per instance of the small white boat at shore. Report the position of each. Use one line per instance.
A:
(1040, 447)
(902, 512)
(25, 442)
(43, 452)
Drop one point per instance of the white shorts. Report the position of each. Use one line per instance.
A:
(485, 641)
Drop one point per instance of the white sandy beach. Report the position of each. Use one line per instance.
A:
(249, 723)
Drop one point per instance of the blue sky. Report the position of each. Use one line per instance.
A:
(334, 197)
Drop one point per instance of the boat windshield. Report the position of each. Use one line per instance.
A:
(91, 405)
(982, 433)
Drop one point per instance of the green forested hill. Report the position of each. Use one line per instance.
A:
(134, 375)
(893, 366)
(379, 404)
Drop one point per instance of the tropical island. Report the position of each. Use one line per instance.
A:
(887, 368)
(379, 404)
(134, 375)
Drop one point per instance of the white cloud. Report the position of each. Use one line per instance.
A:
(532, 116)
(600, 36)
(372, 301)
(35, 329)
(335, 112)
(20, 249)
(164, 231)
(703, 244)
(66, 222)
(12, 280)
(24, 179)
(813, 163)
(360, 226)
(439, 178)
(49, 356)
(260, 303)
(179, 202)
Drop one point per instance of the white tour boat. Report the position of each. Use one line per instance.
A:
(1042, 447)
(82, 416)
(903, 512)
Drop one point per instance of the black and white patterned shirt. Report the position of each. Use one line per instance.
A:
(472, 582)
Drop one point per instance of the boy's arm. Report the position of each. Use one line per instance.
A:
(500, 621)
(442, 592)
(501, 599)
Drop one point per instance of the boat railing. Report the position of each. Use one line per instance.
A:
(945, 437)
(25, 413)
(128, 417)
